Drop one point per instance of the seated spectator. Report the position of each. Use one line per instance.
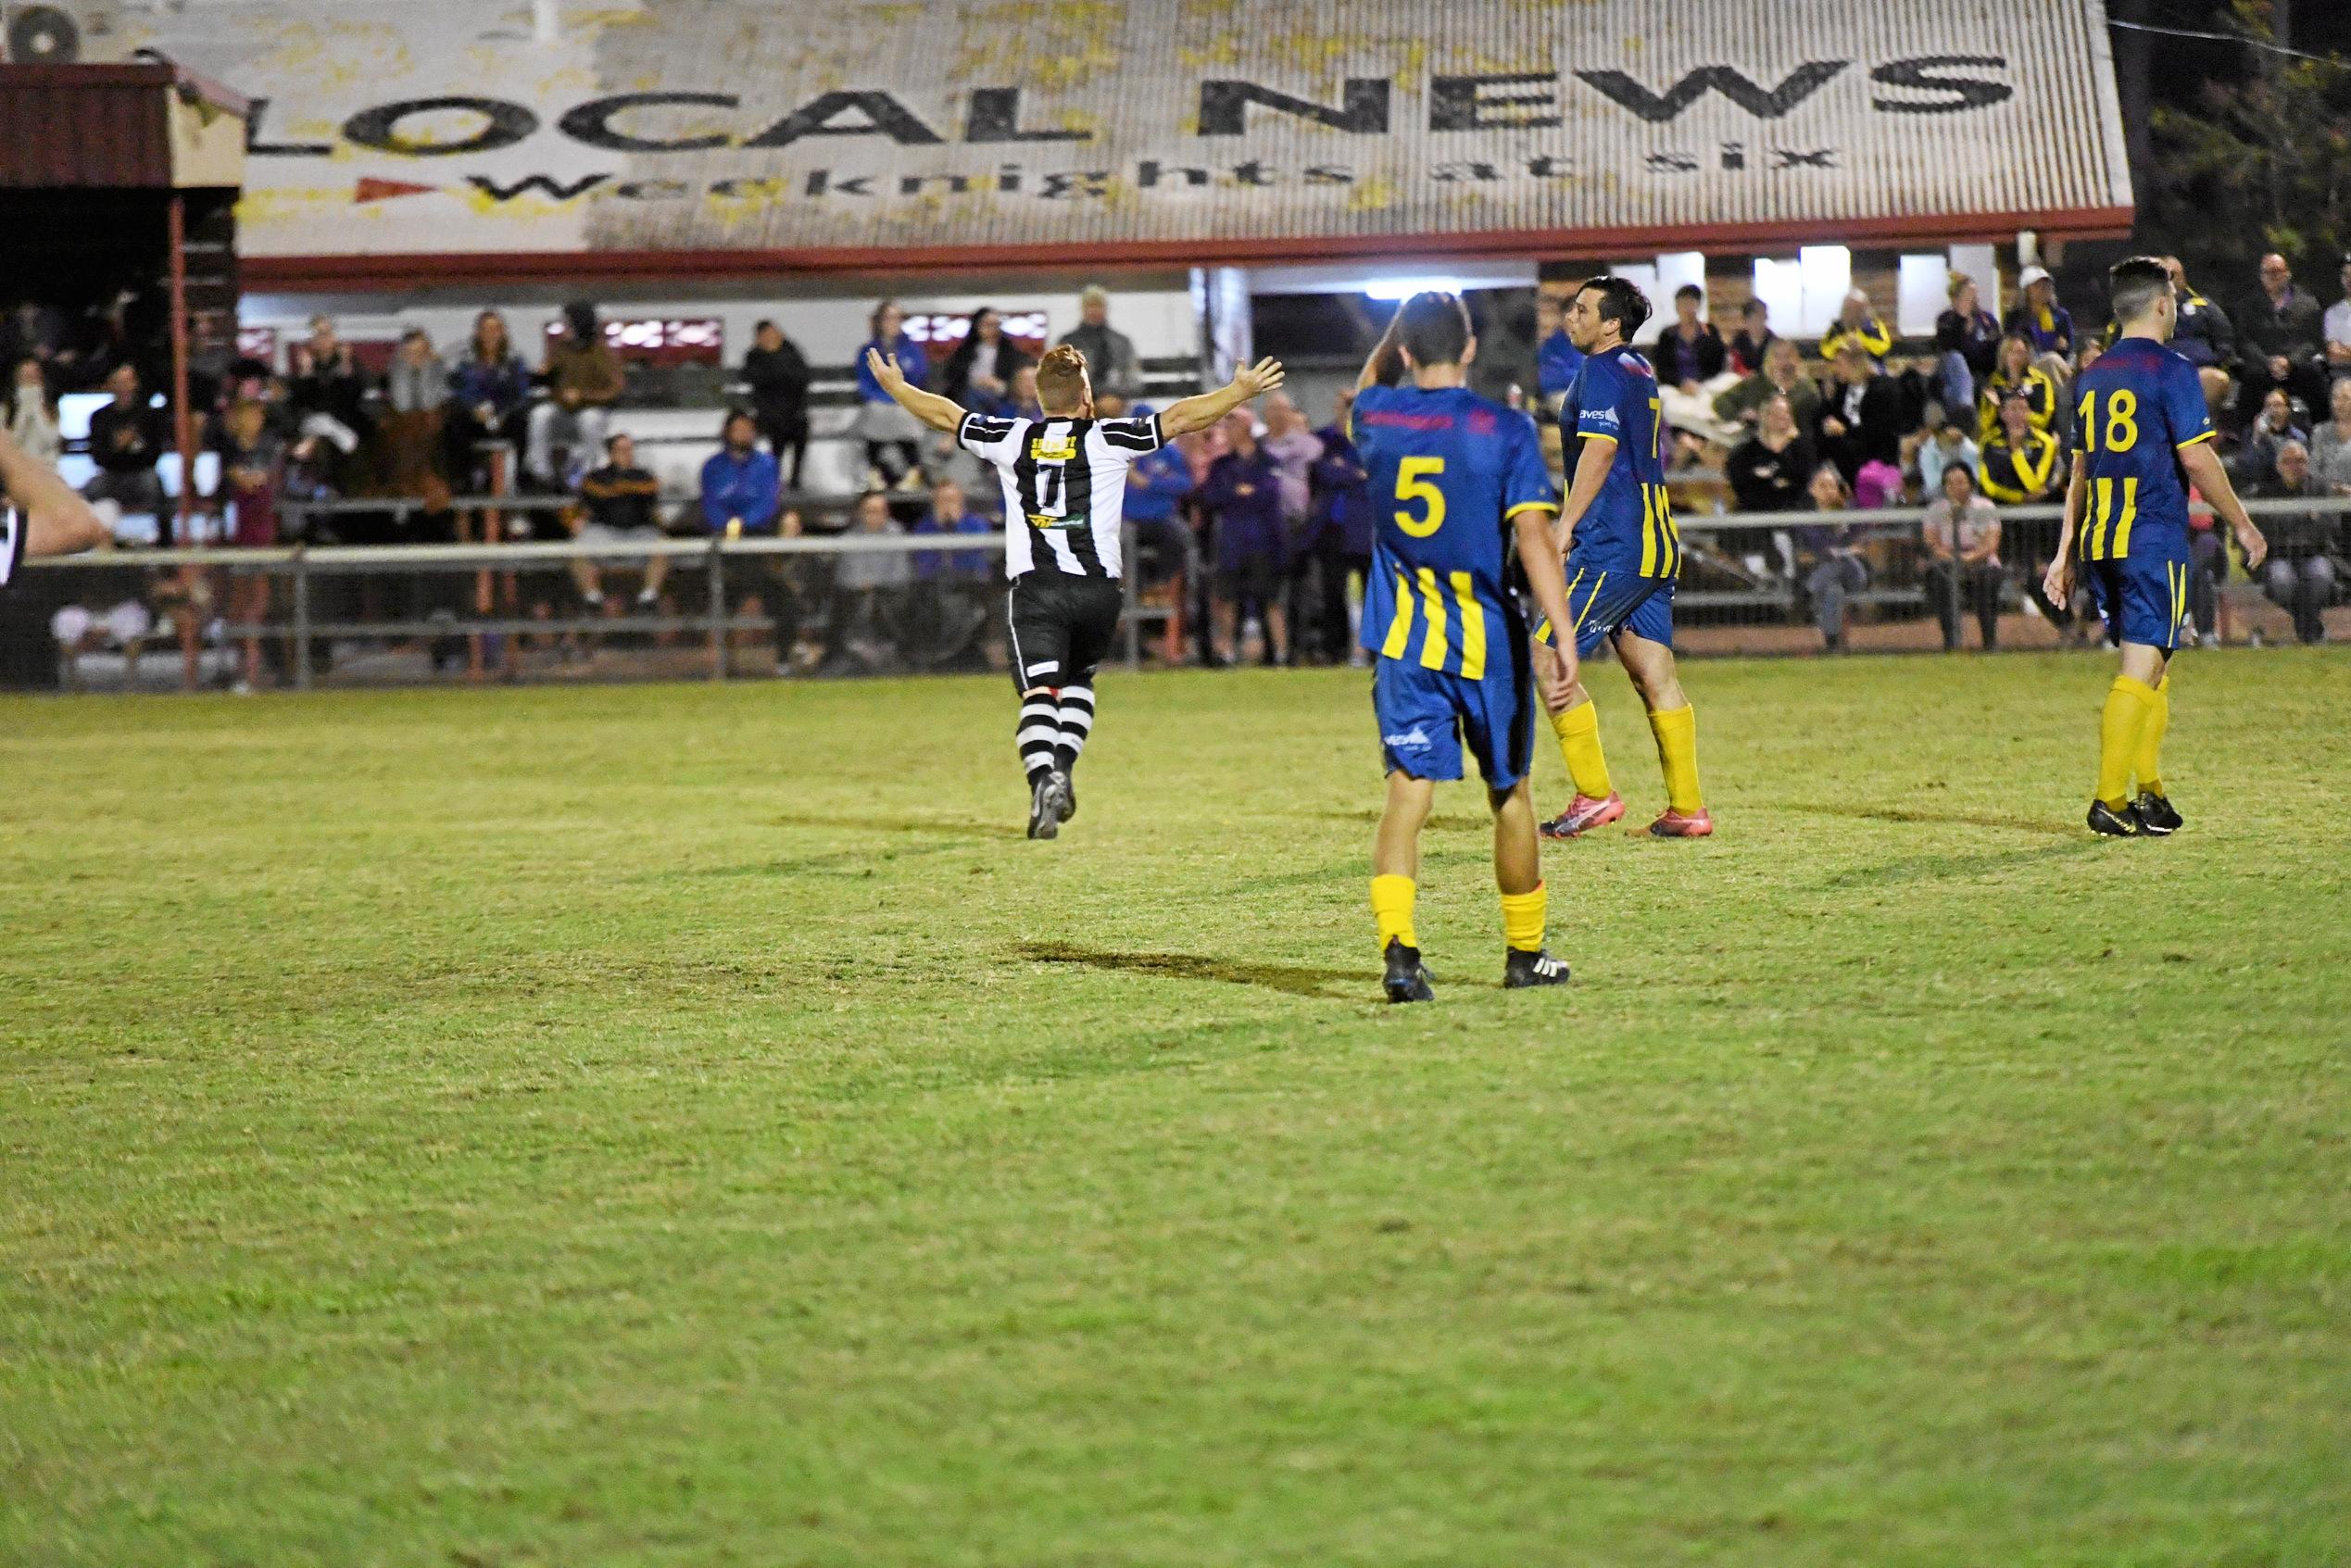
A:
(620, 504)
(1556, 358)
(1962, 534)
(2016, 372)
(324, 383)
(2041, 321)
(252, 458)
(893, 437)
(871, 588)
(30, 418)
(1769, 470)
(955, 591)
(950, 513)
(2331, 441)
(409, 453)
(1754, 339)
(584, 381)
(2280, 340)
(489, 387)
(1966, 347)
(1783, 376)
(1833, 569)
(1856, 323)
(2299, 574)
(2255, 462)
(2202, 332)
(1948, 444)
(1862, 419)
(1243, 495)
(741, 485)
(127, 437)
(1026, 402)
(1692, 369)
(1111, 364)
(979, 373)
(778, 376)
(2019, 465)
(2336, 328)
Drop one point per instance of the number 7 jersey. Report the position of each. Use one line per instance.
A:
(1449, 469)
(1628, 530)
(2135, 411)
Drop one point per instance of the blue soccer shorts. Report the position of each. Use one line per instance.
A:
(1605, 603)
(2143, 597)
(1426, 717)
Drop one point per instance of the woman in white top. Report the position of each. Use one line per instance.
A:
(1962, 533)
(31, 418)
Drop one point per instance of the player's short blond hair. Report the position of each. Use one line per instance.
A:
(1061, 380)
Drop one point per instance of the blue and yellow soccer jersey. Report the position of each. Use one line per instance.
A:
(1629, 529)
(1449, 469)
(2134, 410)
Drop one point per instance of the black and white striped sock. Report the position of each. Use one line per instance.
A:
(1078, 722)
(1040, 732)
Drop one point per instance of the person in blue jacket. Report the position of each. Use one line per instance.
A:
(893, 437)
(1157, 483)
(1340, 532)
(741, 485)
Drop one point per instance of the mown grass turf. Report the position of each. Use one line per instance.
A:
(690, 1126)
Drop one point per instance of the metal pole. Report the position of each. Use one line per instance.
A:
(302, 618)
(183, 421)
(718, 611)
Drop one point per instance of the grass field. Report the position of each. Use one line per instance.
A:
(691, 1126)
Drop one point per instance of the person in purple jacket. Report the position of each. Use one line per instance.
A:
(1340, 537)
(1243, 493)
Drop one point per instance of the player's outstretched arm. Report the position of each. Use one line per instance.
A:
(2203, 468)
(2056, 583)
(57, 521)
(1205, 408)
(1540, 560)
(1387, 362)
(939, 413)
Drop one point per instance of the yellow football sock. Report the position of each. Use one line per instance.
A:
(1677, 733)
(2128, 704)
(1392, 907)
(1523, 917)
(1579, 730)
(2149, 766)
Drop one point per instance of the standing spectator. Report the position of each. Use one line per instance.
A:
(1966, 347)
(1157, 483)
(1861, 420)
(979, 373)
(1342, 537)
(31, 417)
(620, 504)
(2016, 372)
(251, 460)
(1949, 444)
(2045, 323)
(2299, 574)
(1783, 376)
(741, 485)
(2331, 441)
(1755, 337)
(1692, 363)
(1295, 450)
(2255, 462)
(872, 586)
(1769, 470)
(1556, 358)
(2282, 343)
(584, 379)
(127, 437)
(777, 374)
(488, 388)
(1111, 364)
(2336, 326)
(2020, 463)
(2203, 335)
(1243, 493)
(893, 437)
(1962, 533)
(1856, 323)
(1833, 568)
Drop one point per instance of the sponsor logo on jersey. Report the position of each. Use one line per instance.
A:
(1053, 449)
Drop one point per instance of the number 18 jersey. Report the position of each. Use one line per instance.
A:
(2136, 410)
(1449, 469)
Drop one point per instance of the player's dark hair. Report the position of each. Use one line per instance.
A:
(1433, 328)
(1689, 290)
(2134, 284)
(1620, 302)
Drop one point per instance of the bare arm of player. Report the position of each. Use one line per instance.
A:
(1591, 472)
(1550, 589)
(1387, 362)
(1199, 412)
(939, 413)
(2204, 467)
(2057, 582)
(57, 521)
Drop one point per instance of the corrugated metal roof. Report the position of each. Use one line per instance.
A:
(1490, 125)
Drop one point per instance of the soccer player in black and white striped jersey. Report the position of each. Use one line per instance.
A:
(1064, 481)
(42, 517)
